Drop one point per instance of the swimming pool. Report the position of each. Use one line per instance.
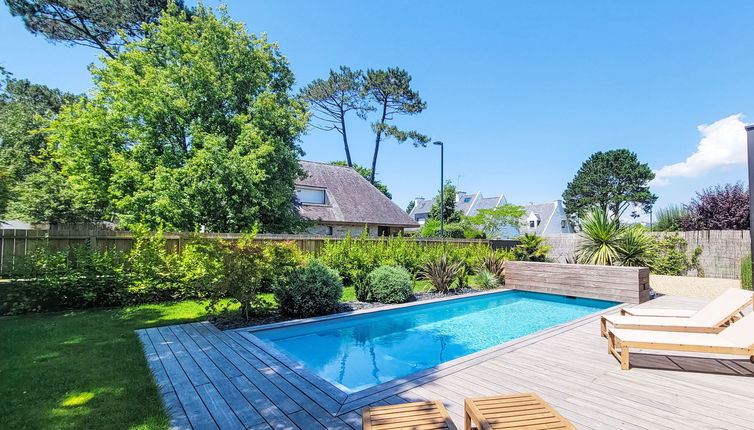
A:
(360, 351)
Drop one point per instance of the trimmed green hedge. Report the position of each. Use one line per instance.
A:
(312, 290)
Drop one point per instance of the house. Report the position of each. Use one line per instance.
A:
(546, 219)
(468, 204)
(340, 201)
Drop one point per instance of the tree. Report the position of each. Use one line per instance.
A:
(410, 206)
(194, 124)
(333, 98)
(366, 173)
(612, 181)
(493, 222)
(718, 208)
(24, 109)
(531, 248)
(391, 91)
(91, 23)
(449, 212)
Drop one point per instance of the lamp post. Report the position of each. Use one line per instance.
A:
(750, 150)
(442, 187)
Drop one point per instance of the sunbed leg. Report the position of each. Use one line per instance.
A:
(624, 357)
(466, 421)
(603, 327)
(751, 358)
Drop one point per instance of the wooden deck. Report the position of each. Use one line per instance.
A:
(211, 379)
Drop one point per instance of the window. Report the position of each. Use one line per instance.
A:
(329, 230)
(383, 230)
(467, 199)
(531, 224)
(311, 196)
(562, 223)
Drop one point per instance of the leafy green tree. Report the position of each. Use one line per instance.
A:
(410, 206)
(493, 222)
(92, 23)
(333, 98)
(192, 125)
(449, 212)
(366, 173)
(391, 91)
(600, 234)
(24, 109)
(612, 181)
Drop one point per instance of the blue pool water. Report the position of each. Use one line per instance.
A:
(361, 351)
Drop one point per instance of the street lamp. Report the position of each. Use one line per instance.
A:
(442, 187)
(750, 150)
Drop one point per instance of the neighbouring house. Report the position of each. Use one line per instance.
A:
(340, 201)
(546, 219)
(468, 204)
(14, 225)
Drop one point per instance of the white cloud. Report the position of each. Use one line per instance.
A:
(723, 144)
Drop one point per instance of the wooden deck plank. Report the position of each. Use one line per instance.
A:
(155, 364)
(221, 412)
(317, 394)
(305, 421)
(271, 413)
(188, 363)
(196, 412)
(223, 363)
(234, 354)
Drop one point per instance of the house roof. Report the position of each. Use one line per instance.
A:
(486, 203)
(543, 212)
(351, 199)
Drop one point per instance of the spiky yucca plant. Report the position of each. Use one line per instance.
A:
(600, 239)
(636, 246)
(441, 272)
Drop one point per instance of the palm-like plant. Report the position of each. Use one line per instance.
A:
(600, 239)
(441, 272)
(531, 248)
(636, 246)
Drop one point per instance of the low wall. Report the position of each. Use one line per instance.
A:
(613, 283)
(689, 286)
(721, 256)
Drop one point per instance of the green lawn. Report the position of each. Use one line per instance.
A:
(86, 369)
(83, 370)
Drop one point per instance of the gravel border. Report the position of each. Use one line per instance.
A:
(235, 321)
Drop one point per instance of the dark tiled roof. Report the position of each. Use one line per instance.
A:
(351, 199)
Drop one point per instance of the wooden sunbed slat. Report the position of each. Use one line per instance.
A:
(517, 411)
(416, 415)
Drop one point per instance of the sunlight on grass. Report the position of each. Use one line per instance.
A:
(77, 399)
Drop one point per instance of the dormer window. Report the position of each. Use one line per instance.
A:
(467, 199)
(531, 224)
(562, 223)
(312, 196)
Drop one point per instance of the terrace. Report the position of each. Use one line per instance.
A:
(227, 379)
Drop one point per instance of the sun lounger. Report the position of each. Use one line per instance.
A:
(515, 411)
(738, 339)
(712, 318)
(418, 415)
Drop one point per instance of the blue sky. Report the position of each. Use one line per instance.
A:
(521, 92)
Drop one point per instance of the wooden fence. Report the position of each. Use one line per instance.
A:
(16, 244)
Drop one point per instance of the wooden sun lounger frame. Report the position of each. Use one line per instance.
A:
(733, 317)
(407, 415)
(614, 343)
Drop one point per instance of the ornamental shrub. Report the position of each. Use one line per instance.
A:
(746, 272)
(389, 284)
(311, 290)
(486, 279)
(670, 256)
(76, 277)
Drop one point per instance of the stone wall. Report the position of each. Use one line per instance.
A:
(721, 258)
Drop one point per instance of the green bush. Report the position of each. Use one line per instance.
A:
(312, 290)
(531, 248)
(76, 277)
(152, 272)
(670, 256)
(389, 284)
(441, 272)
(746, 272)
(486, 279)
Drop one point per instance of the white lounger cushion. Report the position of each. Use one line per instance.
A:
(739, 335)
(713, 314)
(654, 321)
(647, 312)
